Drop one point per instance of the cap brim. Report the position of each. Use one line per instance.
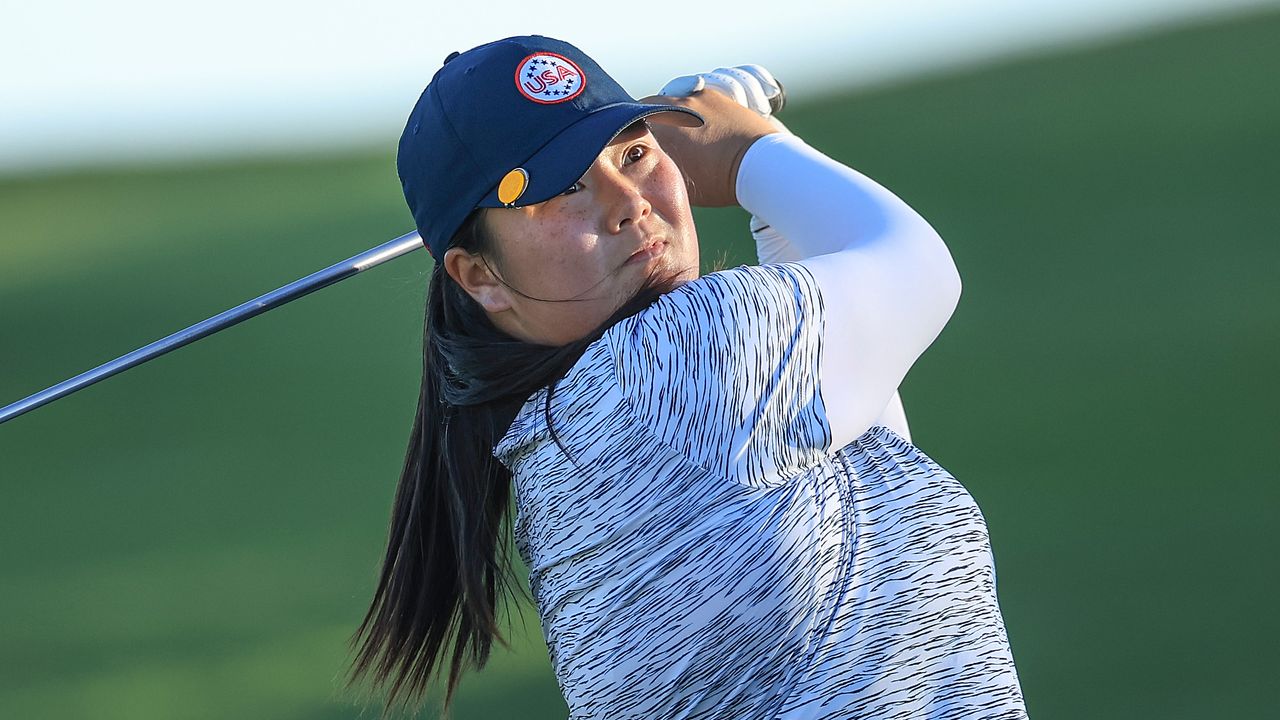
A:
(565, 159)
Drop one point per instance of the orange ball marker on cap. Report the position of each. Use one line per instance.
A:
(512, 186)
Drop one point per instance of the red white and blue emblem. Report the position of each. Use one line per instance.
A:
(549, 78)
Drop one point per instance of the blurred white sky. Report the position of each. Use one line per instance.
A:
(89, 81)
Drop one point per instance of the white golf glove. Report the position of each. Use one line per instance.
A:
(752, 86)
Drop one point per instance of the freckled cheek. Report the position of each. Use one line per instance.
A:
(562, 252)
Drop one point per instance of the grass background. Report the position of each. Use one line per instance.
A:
(198, 537)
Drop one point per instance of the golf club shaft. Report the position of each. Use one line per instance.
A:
(274, 299)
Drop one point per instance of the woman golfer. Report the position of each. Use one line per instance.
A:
(714, 490)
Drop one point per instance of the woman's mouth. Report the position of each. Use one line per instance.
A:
(651, 250)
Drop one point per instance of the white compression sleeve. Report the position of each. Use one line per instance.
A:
(887, 280)
(773, 247)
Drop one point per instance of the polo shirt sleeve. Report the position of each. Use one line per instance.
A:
(725, 370)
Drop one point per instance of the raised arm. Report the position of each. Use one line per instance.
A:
(774, 247)
(887, 280)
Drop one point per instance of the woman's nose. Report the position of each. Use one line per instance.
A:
(626, 203)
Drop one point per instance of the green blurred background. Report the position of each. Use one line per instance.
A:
(198, 538)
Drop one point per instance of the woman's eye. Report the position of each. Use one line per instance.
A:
(636, 152)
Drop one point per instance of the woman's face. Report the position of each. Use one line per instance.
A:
(565, 265)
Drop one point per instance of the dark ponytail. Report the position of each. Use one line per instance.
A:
(447, 557)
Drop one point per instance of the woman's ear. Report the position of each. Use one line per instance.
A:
(473, 274)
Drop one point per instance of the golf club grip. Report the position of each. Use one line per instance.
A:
(779, 101)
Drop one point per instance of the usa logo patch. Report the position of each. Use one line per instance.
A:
(549, 78)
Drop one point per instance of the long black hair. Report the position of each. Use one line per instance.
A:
(447, 558)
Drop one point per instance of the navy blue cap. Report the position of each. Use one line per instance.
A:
(508, 124)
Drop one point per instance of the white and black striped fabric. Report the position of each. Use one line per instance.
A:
(702, 552)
